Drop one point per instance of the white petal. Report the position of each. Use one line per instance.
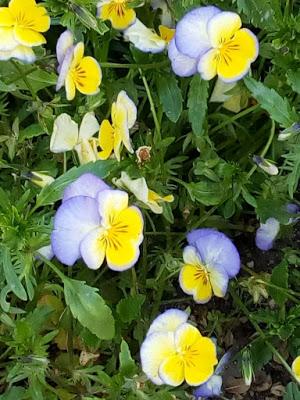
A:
(168, 321)
(65, 134)
(129, 106)
(191, 256)
(144, 38)
(89, 126)
(136, 186)
(92, 250)
(7, 39)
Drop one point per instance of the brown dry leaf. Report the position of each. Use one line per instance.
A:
(85, 357)
(277, 389)
(61, 341)
(236, 386)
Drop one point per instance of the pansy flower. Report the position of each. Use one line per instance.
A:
(265, 165)
(141, 191)
(76, 72)
(267, 233)
(210, 260)
(117, 12)
(113, 134)
(174, 351)
(212, 42)
(296, 368)
(66, 137)
(96, 223)
(21, 24)
(146, 39)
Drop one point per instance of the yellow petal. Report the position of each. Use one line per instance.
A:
(197, 352)
(166, 33)
(87, 76)
(6, 18)
(28, 37)
(118, 14)
(119, 121)
(77, 54)
(70, 86)
(204, 291)
(85, 152)
(188, 278)
(106, 139)
(16, 5)
(222, 26)
(168, 199)
(296, 368)
(171, 370)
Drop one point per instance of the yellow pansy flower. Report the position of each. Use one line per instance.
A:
(141, 191)
(296, 368)
(20, 26)
(113, 135)
(76, 72)
(117, 12)
(174, 351)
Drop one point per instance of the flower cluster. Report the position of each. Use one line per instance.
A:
(76, 72)
(174, 351)
(21, 24)
(210, 260)
(212, 42)
(95, 223)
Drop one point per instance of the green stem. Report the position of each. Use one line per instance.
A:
(53, 267)
(137, 66)
(152, 107)
(244, 309)
(134, 288)
(15, 79)
(25, 80)
(234, 118)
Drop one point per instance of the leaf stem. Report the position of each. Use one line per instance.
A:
(138, 66)
(25, 80)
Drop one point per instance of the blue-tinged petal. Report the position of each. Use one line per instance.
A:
(64, 67)
(218, 280)
(218, 251)
(65, 41)
(196, 234)
(86, 185)
(154, 350)
(211, 388)
(223, 362)
(46, 251)
(168, 321)
(191, 31)
(92, 249)
(266, 234)
(74, 219)
(182, 65)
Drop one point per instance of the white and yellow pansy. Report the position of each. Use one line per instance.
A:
(139, 188)
(21, 26)
(117, 12)
(76, 71)
(96, 223)
(67, 136)
(210, 260)
(114, 134)
(174, 351)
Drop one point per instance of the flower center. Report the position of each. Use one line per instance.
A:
(118, 7)
(188, 354)
(114, 232)
(202, 274)
(79, 75)
(226, 49)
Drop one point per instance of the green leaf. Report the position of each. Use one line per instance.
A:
(279, 108)
(292, 392)
(206, 192)
(11, 277)
(170, 97)
(293, 79)
(197, 103)
(127, 364)
(89, 308)
(260, 13)
(30, 132)
(260, 354)
(268, 208)
(53, 192)
(279, 277)
(129, 309)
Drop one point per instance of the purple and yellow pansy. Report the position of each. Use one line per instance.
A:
(210, 260)
(96, 223)
(212, 42)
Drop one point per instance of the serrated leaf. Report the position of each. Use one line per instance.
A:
(292, 392)
(206, 192)
(268, 208)
(89, 308)
(261, 14)
(11, 277)
(279, 277)
(127, 364)
(170, 97)
(293, 79)
(197, 103)
(31, 131)
(129, 309)
(278, 107)
(53, 192)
